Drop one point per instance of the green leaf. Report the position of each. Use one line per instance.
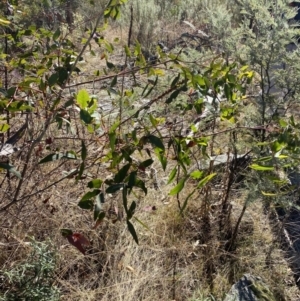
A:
(83, 98)
(83, 151)
(96, 183)
(131, 210)
(172, 175)
(175, 80)
(66, 232)
(140, 184)
(114, 81)
(70, 155)
(156, 142)
(176, 93)
(153, 120)
(121, 175)
(100, 216)
(56, 34)
(162, 158)
(114, 188)
(178, 187)
(150, 90)
(55, 157)
(127, 51)
(146, 163)
(269, 193)
(85, 116)
(62, 75)
(98, 205)
(204, 181)
(132, 179)
(81, 170)
(11, 169)
(4, 127)
(86, 204)
(109, 65)
(90, 195)
(197, 174)
(228, 92)
(114, 126)
(4, 22)
(132, 231)
(173, 96)
(262, 168)
(53, 79)
(112, 140)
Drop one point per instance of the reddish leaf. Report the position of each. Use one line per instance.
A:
(46, 200)
(49, 140)
(191, 143)
(98, 222)
(142, 168)
(78, 241)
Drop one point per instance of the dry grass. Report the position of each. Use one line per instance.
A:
(178, 258)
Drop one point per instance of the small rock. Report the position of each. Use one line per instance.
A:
(250, 288)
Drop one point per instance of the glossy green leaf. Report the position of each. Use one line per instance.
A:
(62, 75)
(131, 210)
(178, 187)
(122, 173)
(114, 188)
(56, 34)
(58, 156)
(11, 169)
(153, 120)
(151, 89)
(124, 197)
(86, 204)
(96, 183)
(197, 174)
(261, 167)
(140, 184)
(114, 81)
(204, 181)
(66, 232)
(127, 51)
(155, 141)
(53, 79)
(146, 163)
(4, 127)
(228, 91)
(81, 170)
(85, 116)
(100, 216)
(175, 80)
(132, 179)
(114, 126)
(173, 96)
(83, 150)
(82, 99)
(112, 140)
(172, 175)
(90, 194)
(132, 231)
(109, 65)
(162, 158)
(99, 201)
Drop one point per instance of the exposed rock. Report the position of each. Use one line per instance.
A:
(250, 288)
(220, 160)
